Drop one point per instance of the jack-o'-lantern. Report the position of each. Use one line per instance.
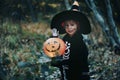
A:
(53, 47)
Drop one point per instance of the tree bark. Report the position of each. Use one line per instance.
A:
(67, 4)
(29, 2)
(100, 19)
(112, 26)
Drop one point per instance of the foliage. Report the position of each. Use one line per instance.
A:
(21, 55)
(23, 58)
(103, 64)
(26, 10)
(31, 9)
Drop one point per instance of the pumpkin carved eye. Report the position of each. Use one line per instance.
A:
(55, 42)
(54, 47)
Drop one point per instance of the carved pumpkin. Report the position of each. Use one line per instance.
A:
(54, 47)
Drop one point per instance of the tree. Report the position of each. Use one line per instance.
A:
(67, 4)
(109, 28)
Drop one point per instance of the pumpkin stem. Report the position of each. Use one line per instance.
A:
(55, 33)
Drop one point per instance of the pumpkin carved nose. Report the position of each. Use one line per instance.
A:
(53, 46)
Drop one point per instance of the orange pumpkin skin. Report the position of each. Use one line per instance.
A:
(53, 47)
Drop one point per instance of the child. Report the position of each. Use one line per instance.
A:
(74, 64)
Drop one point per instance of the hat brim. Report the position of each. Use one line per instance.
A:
(56, 21)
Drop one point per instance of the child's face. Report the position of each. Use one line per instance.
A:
(71, 27)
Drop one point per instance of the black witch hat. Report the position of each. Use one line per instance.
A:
(72, 14)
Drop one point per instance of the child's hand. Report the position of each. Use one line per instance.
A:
(55, 61)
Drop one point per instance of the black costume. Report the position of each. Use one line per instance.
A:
(75, 65)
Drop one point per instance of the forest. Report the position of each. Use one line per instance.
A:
(25, 25)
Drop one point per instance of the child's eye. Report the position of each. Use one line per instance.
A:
(72, 24)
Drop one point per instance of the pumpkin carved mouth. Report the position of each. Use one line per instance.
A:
(55, 50)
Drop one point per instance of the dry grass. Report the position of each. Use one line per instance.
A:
(38, 28)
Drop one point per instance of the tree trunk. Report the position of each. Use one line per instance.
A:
(101, 21)
(67, 4)
(31, 10)
(112, 26)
